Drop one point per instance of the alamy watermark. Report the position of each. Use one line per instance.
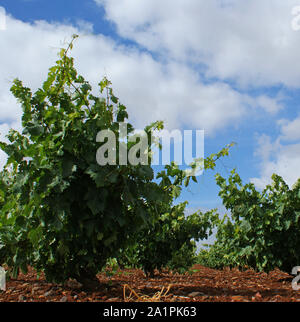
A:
(134, 149)
(296, 271)
(2, 279)
(2, 19)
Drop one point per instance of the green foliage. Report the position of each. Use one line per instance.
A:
(184, 258)
(168, 243)
(65, 215)
(263, 232)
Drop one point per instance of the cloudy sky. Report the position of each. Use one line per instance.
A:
(230, 67)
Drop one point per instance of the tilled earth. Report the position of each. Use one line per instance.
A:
(202, 284)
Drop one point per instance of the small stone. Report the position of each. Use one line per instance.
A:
(72, 283)
(258, 295)
(114, 299)
(194, 294)
(21, 298)
(34, 290)
(49, 293)
(237, 298)
(64, 299)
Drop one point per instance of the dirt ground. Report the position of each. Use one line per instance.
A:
(129, 285)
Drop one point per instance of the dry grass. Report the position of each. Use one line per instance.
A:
(135, 297)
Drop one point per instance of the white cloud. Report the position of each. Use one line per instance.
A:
(27, 51)
(249, 42)
(290, 130)
(151, 89)
(266, 148)
(270, 105)
(280, 156)
(286, 165)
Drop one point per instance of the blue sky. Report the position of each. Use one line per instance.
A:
(229, 67)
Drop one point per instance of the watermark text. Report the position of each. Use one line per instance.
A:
(159, 148)
(2, 279)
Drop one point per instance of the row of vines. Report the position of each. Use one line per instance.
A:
(64, 215)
